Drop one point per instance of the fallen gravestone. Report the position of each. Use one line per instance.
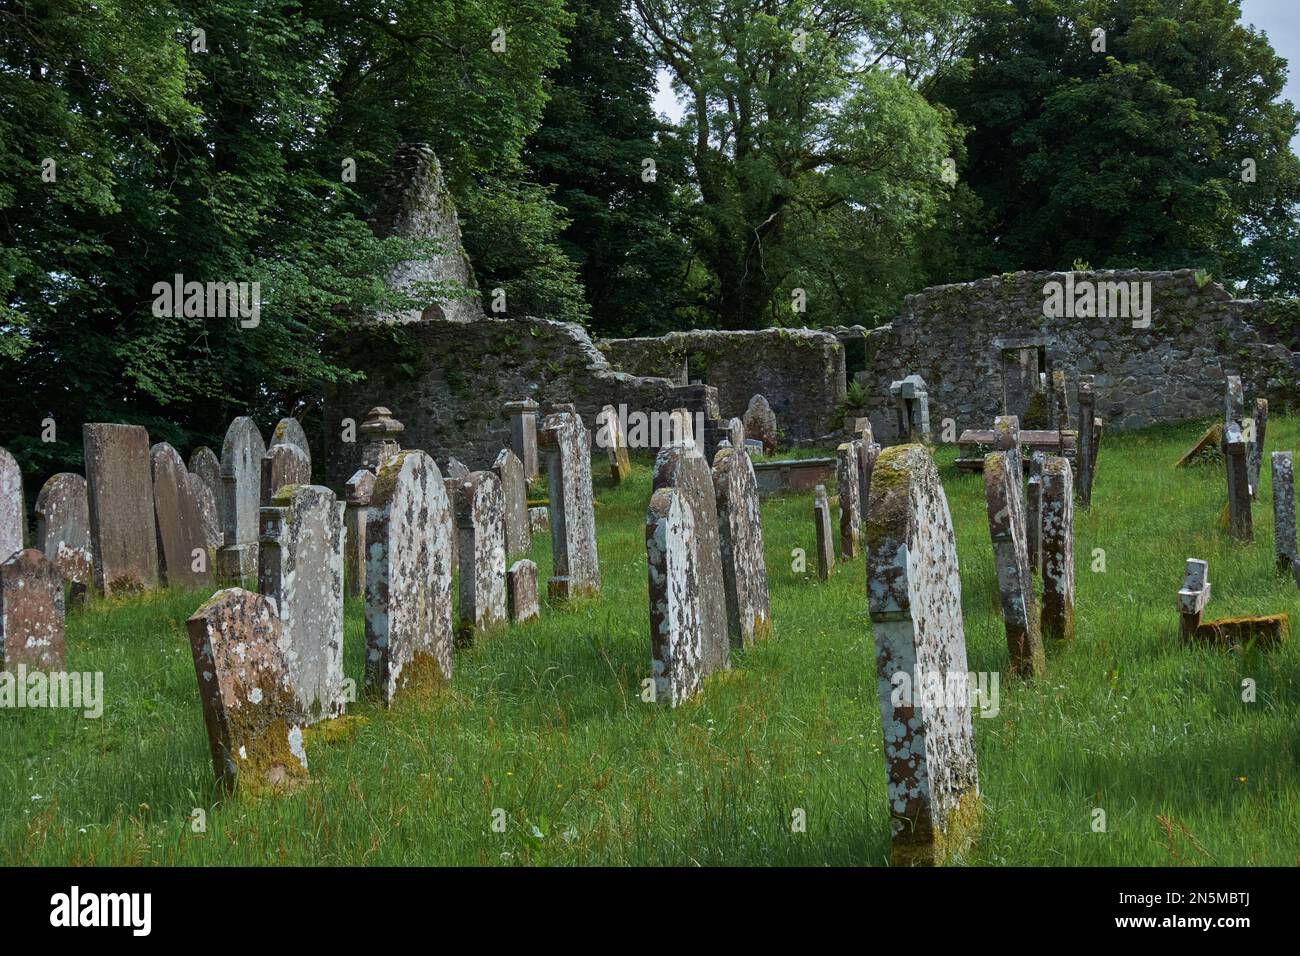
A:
(676, 611)
(1058, 550)
(358, 491)
(300, 568)
(1284, 531)
(1206, 448)
(119, 492)
(241, 482)
(63, 529)
(1011, 557)
(521, 591)
(12, 507)
(822, 527)
(31, 613)
(514, 489)
(182, 543)
(480, 524)
(850, 490)
(1265, 631)
(283, 464)
(408, 577)
(740, 527)
(254, 726)
(575, 570)
(914, 599)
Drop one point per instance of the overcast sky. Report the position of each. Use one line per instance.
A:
(1278, 19)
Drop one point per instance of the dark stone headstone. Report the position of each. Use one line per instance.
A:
(182, 542)
(119, 489)
(1011, 556)
(283, 465)
(822, 524)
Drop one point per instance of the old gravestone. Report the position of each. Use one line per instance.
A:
(1006, 438)
(740, 527)
(300, 568)
(241, 483)
(1234, 402)
(289, 431)
(63, 529)
(12, 506)
(1060, 401)
(358, 490)
(252, 717)
(182, 543)
(283, 464)
(1284, 531)
(1058, 550)
(119, 491)
(523, 434)
(914, 599)
(575, 569)
(1255, 446)
(609, 435)
(209, 519)
(480, 525)
(1193, 597)
(408, 577)
(514, 489)
(31, 613)
(521, 591)
(206, 466)
(1087, 398)
(1034, 512)
(676, 604)
(760, 424)
(686, 470)
(868, 450)
(1239, 517)
(1011, 557)
(850, 491)
(822, 526)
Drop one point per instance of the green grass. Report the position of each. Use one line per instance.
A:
(545, 721)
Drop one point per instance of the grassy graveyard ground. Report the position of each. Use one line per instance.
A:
(545, 721)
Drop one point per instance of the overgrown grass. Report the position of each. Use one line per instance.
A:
(545, 721)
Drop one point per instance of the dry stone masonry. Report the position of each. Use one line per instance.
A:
(119, 489)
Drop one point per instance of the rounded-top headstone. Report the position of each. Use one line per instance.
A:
(289, 431)
(760, 423)
(63, 527)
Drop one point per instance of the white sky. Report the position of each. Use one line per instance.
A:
(1278, 19)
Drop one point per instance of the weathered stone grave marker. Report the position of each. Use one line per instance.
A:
(1239, 517)
(119, 491)
(914, 598)
(63, 529)
(912, 407)
(31, 613)
(381, 434)
(206, 466)
(740, 526)
(456, 470)
(1193, 597)
(760, 424)
(283, 464)
(610, 436)
(480, 524)
(1058, 550)
(1034, 513)
(12, 506)
(1265, 631)
(1284, 531)
(289, 431)
(209, 518)
(1255, 446)
(1088, 438)
(514, 489)
(575, 571)
(358, 491)
(1011, 557)
(822, 525)
(849, 489)
(241, 482)
(521, 591)
(523, 434)
(182, 542)
(676, 611)
(1006, 439)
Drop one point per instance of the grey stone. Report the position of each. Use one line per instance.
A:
(1239, 518)
(849, 487)
(300, 568)
(119, 490)
(1193, 598)
(289, 431)
(1284, 531)
(182, 541)
(575, 568)
(13, 515)
(63, 529)
(1034, 512)
(1087, 430)
(1011, 557)
(1255, 446)
(241, 482)
(1234, 404)
(209, 519)
(206, 466)
(539, 519)
(760, 424)
(912, 408)
(455, 470)
(31, 613)
(514, 489)
(380, 437)
(822, 523)
(1058, 550)
(481, 526)
(357, 504)
(522, 594)
(282, 465)
(914, 599)
(676, 604)
(740, 526)
(523, 434)
(609, 435)
(408, 577)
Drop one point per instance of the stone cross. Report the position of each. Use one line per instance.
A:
(1087, 439)
(521, 591)
(912, 401)
(119, 490)
(850, 493)
(514, 489)
(300, 569)
(686, 470)
(408, 577)
(283, 464)
(31, 613)
(609, 434)
(63, 529)
(254, 725)
(575, 569)
(1034, 513)
(523, 434)
(381, 436)
(1058, 550)
(1193, 598)
(13, 513)
(1011, 557)
(206, 466)
(676, 604)
(481, 527)
(1284, 532)
(822, 524)
(182, 539)
(358, 491)
(1239, 518)
(914, 599)
(1255, 446)
(740, 526)
(241, 481)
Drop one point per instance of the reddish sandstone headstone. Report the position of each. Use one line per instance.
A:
(283, 464)
(63, 528)
(31, 613)
(254, 725)
(182, 542)
(119, 487)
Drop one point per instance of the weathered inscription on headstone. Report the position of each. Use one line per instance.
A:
(1058, 550)
(241, 482)
(119, 491)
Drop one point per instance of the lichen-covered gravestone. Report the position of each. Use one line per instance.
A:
(521, 591)
(1255, 447)
(300, 568)
(283, 464)
(359, 489)
(868, 451)
(208, 517)
(480, 524)
(575, 568)
(514, 489)
(676, 604)
(1234, 401)
(1058, 550)
(850, 490)
(31, 613)
(1006, 438)
(241, 484)
(1034, 512)
(686, 470)
(206, 466)
(609, 435)
(12, 507)
(822, 525)
(760, 423)
(289, 431)
(1011, 556)
(914, 598)
(63, 529)
(1284, 533)
(254, 725)
(119, 489)
(523, 434)
(1239, 518)
(182, 542)
(1087, 453)
(408, 577)
(740, 527)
